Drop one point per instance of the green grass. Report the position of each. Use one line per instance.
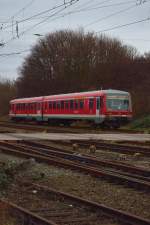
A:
(140, 124)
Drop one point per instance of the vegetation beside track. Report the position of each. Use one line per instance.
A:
(5, 218)
(140, 124)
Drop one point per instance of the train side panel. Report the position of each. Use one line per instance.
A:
(100, 107)
(81, 108)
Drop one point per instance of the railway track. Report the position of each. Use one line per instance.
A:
(51, 207)
(48, 128)
(92, 160)
(30, 127)
(26, 216)
(121, 148)
(84, 164)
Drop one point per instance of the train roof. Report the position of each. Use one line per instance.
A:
(69, 95)
(24, 100)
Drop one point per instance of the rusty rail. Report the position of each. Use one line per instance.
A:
(29, 217)
(53, 160)
(119, 214)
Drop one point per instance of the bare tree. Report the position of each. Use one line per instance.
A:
(69, 61)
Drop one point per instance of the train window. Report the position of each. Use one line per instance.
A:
(26, 106)
(50, 105)
(38, 106)
(32, 106)
(58, 105)
(98, 103)
(45, 105)
(18, 106)
(71, 104)
(91, 103)
(66, 104)
(76, 104)
(54, 105)
(62, 104)
(101, 102)
(81, 104)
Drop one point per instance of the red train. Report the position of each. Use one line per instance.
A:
(105, 107)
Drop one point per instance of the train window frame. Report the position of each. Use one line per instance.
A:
(62, 104)
(38, 106)
(23, 106)
(50, 105)
(54, 105)
(71, 104)
(66, 104)
(81, 104)
(98, 103)
(91, 103)
(76, 104)
(45, 105)
(58, 105)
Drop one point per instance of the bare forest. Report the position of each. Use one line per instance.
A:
(72, 61)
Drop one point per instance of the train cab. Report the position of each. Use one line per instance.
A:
(118, 109)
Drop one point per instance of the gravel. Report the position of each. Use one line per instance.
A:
(88, 187)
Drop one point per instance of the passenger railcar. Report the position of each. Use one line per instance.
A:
(106, 107)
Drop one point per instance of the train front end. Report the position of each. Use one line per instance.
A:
(118, 108)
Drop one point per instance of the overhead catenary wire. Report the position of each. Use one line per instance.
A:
(115, 13)
(44, 20)
(104, 6)
(14, 53)
(18, 12)
(124, 25)
(43, 12)
(101, 7)
(36, 16)
(74, 1)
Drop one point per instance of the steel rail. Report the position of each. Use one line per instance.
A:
(29, 217)
(40, 157)
(56, 128)
(116, 147)
(37, 127)
(121, 148)
(90, 161)
(89, 158)
(112, 212)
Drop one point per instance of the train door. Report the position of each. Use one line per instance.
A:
(97, 106)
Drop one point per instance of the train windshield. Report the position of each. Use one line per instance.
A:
(118, 102)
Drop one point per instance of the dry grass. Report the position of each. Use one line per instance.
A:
(5, 218)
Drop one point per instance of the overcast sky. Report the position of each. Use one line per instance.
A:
(21, 20)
